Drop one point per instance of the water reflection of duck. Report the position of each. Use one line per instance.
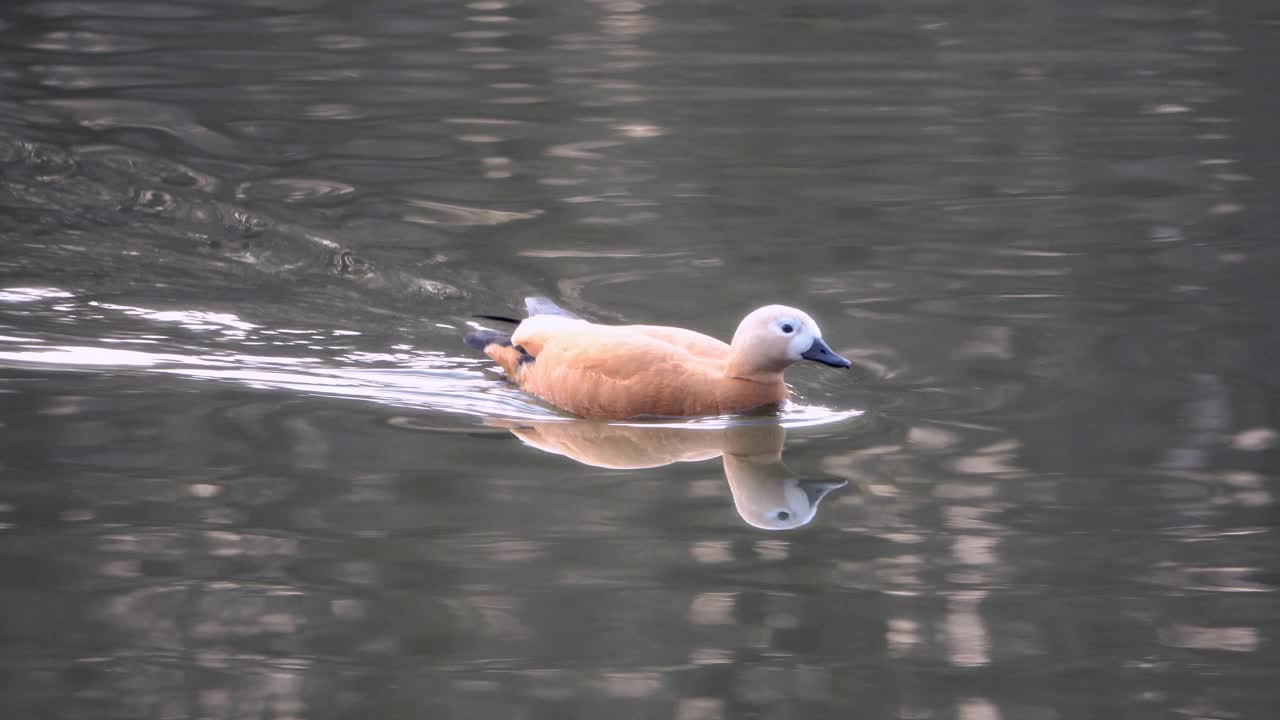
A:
(765, 493)
(625, 371)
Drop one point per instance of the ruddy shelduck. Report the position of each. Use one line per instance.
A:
(620, 372)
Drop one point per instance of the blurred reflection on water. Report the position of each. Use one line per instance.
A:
(765, 493)
(250, 471)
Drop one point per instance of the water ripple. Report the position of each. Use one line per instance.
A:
(89, 43)
(107, 114)
(86, 8)
(439, 213)
(294, 190)
(401, 376)
(23, 295)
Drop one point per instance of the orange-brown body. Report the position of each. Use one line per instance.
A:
(628, 371)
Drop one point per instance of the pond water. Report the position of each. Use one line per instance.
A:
(251, 471)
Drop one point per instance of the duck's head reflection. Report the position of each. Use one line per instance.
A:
(765, 493)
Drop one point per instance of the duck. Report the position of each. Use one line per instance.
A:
(627, 372)
(766, 495)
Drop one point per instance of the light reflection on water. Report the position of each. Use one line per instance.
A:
(401, 377)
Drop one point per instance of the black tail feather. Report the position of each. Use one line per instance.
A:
(482, 339)
(535, 305)
(498, 318)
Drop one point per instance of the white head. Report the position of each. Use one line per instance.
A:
(769, 499)
(770, 339)
(765, 493)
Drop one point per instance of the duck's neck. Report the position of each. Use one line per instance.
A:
(739, 368)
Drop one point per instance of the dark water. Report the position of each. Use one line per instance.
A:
(249, 471)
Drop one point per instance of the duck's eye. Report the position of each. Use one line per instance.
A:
(787, 329)
(784, 515)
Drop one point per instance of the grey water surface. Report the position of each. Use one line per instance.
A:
(249, 470)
